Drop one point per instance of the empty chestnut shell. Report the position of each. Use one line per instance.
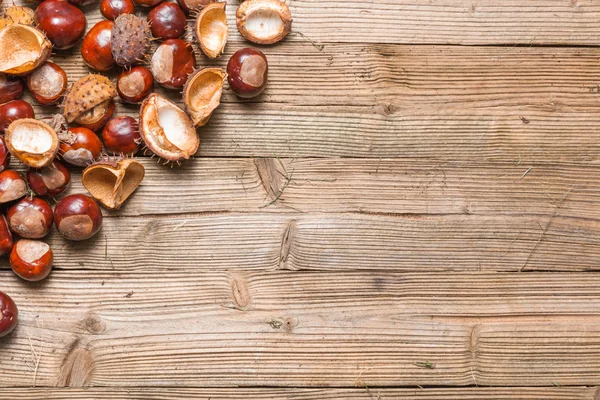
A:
(247, 72)
(135, 84)
(31, 259)
(11, 88)
(63, 23)
(49, 181)
(32, 142)
(12, 186)
(23, 48)
(30, 218)
(172, 62)
(47, 83)
(95, 49)
(6, 238)
(12, 111)
(77, 217)
(81, 147)
(167, 21)
(111, 9)
(202, 94)
(122, 136)
(111, 183)
(264, 21)
(211, 29)
(8, 314)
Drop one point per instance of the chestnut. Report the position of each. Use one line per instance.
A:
(247, 72)
(8, 314)
(13, 110)
(111, 9)
(81, 3)
(47, 83)
(49, 181)
(148, 3)
(95, 118)
(6, 238)
(30, 217)
(167, 21)
(4, 155)
(95, 49)
(63, 23)
(11, 88)
(77, 217)
(133, 85)
(31, 259)
(172, 62)
(122, 136)
(81, 147)
(12, 186)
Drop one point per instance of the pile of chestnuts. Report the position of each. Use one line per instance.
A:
(86, 133)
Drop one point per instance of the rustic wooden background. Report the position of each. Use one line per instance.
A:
(411, 210)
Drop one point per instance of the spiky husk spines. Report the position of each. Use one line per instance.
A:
(86, 94)
(130, 39)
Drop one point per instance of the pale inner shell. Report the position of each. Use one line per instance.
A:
(52, 177)
(30, 138)
(213, 30)
(175, 127)
(12, 190)
(253, 70)
(46, 81)
(264, 24)
(162, 63)
(31, 250)
(131, 85)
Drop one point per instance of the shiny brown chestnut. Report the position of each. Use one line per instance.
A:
(82, 3)
(31, 259)
(122, 136)
(12, 186)
(133, 85)
(4, 155)
(47, 83)
(13, 110)
(247, 72)
(63, 23)
(172, 63)
(6, 238)
(30, 218)
(9, 314)
(49, 181)
(111, 9)
(95, 48)
(97, 117)
(11, 88)
(148, 3)
(167, 21)
(77, 217)
(81, 147)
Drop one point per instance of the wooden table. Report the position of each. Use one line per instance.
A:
(411, 210)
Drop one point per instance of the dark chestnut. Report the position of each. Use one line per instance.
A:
(8, 314)
(63, 23)
(167, 21)
(13, 110)
(31, 259)
(11, 88)
(4, 155)
(6, 238)
(148, 3)
(95, 49)
(12, 186)
(47, 83)
(49, 181)
(97, 117)
(122, 136)
(172, 62)
(81, 3)
(111, 9)
(77, 217)
(30, 217)
(133, 85)
(81, 147)
(247, 72)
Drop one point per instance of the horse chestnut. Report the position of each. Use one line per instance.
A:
(95, 49)
(247, 72)
(167, 21)
(77, 217)
(49, 181)
(31, 259)
(30, 218)
(172, 62)
(13, 110)
(111, 9)
(47, 83)
(4, 155)
(148, 3)
(6, 238)
(8, 314)
(81, 147)
(122, 136)
(11, 88)
(12, 186)
(133, 85)
(95, 118)
(63, 23)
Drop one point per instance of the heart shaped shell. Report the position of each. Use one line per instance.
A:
(112, 182)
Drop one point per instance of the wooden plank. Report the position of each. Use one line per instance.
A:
(335, 242)
(158, 393)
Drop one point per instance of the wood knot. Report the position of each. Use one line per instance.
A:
(239, 291)
(93, 324)
(272, 175)
(387, 109)
(77, 367)
(286, 244)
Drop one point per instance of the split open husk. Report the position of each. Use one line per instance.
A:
(84, 95)
(264, 21)
(33, 142)
(211, 29)
(23, 48)
(202, 93)
(166, 129)
(112, 182)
